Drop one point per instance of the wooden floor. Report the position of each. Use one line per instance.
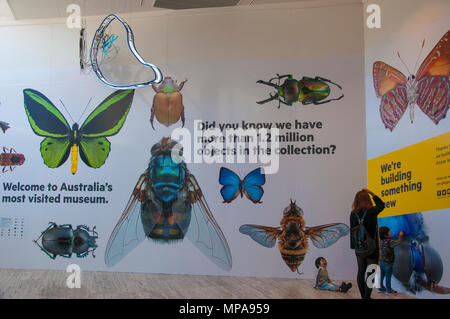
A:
(51, 284)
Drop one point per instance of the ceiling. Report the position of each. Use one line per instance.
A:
(46, 9)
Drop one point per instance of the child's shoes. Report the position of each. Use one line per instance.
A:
(390, 292)
(345, 287)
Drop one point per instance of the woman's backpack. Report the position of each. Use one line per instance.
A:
(363, 242)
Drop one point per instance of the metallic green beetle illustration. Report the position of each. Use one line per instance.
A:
(307, 90)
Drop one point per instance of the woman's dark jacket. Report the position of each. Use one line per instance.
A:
(370, 222)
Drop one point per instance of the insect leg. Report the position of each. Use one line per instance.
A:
(279, 77)
(152, 116)
(138, 193)
(12, 150)
(180, 86)
(182, 115)
(5, 150)
(90, 251)
(52, 224)
(268, 83)
(35, 241)
(271, 98)
(323, 102)
(285, 103)
(12, 168)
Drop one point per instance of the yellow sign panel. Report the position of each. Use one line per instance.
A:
(413, 179)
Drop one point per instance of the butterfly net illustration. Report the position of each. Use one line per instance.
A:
(115, 59)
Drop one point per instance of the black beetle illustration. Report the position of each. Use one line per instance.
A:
(64, 241)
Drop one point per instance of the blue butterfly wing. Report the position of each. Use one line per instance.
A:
(230, 181)
(252, 185)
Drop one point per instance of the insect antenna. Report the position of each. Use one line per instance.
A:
(85, 109)
(67, 111)
(420, 53)
(398, 53)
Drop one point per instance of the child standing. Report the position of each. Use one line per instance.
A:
(323, 282)
(387, 258)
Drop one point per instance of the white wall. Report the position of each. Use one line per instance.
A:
(222, 53)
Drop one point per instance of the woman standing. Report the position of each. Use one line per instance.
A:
(365, 214)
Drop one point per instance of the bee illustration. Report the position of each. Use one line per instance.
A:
(166, 206)
(293, 235)
(11, 159)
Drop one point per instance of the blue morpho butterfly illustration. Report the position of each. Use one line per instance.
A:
(251, 186)
(108, 43)
(97, 43)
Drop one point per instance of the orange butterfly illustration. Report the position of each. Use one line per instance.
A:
(429, 88)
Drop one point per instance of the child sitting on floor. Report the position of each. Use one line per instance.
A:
(323, 282)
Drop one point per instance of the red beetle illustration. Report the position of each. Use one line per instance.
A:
(168, 102)
(11, 159)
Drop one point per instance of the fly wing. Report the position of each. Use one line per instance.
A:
(129, 231)
(326, 235)
(263, 235)
(204, 232)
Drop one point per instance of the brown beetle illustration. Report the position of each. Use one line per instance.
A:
(168, 102)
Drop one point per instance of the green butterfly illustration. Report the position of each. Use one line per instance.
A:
(60, 140)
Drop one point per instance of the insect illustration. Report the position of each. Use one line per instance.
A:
(417, 265)
(429, 88)
(60, 140)
(307, 90)
(168, 205)
(293, 235)
(63, 240)
(4, 126)
(97, 54)
(10, 159)
(251, 186)
(168, 102)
